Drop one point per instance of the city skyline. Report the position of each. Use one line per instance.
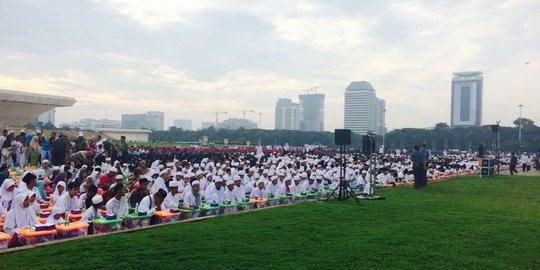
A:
(191, 58)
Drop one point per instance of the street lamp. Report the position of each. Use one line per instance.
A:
(520, 106)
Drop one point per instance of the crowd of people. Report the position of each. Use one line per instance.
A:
(117, 179)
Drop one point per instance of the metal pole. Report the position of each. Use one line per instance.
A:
(498, 146)
(384, 130)
(520, 106)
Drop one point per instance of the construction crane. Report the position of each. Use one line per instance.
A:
(248, 111)
(217, 117)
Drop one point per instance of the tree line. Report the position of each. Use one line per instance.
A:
(440, 138)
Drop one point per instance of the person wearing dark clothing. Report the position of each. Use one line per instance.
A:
(513, 164)
(60, 149)
(139, 193)
(123, 152)
(419, 159)
(4, 173)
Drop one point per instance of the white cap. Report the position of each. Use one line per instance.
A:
(230, 182)
(108, 159)
(273, 178)
(45, 161)
(218, 179)
(173, 183)
(118, 177)
(196, 182)
(97, 199)
(162, 172)
(113, 169)
(237, 178)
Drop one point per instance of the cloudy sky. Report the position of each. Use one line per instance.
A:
(191, 58)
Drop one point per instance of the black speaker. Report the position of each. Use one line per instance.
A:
(368, 144)
(481, 150)
(494, 128)
(488, 171)
(342, 136)
(487, 162)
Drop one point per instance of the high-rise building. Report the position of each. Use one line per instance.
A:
(361, 106)
(236, 123)
(467, 88)
(46, 117)
(207, 124)
(152, 120)
(311, 112)
(184, 124)
(287, 114)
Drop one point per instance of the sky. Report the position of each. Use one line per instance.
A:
(190, 58)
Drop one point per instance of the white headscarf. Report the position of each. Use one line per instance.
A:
(56, 194)
(56, 210)
(6, 195)
(19, 216)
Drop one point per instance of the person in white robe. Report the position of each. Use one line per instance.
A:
(68, 200)
(21, 215)
(273, 186)
(259, 191)
(172, 200)
(93, 211)
(192, 198)
(118, 205)
(230, 193)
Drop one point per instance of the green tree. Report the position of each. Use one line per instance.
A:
(525, 122)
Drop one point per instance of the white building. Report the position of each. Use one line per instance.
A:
(311, 112)
(361, 108)
(236, 123)
(466, 107)
(287, 114)
(152, 120)
(93, 124)
(184, 124)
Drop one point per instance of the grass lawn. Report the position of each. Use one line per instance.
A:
(465, 223)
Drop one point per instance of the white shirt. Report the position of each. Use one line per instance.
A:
(90, 214)
(258, 193)
(171, 201)
(190, 200)
(232, 195)
(273, 189)
(117, 207)
(147, 205)
(67, 203)
(213, 194)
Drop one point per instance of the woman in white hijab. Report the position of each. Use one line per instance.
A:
(21, 215)
(56, 216)
(7, 193)
(58, 191)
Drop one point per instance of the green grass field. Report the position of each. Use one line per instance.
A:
(465, 223)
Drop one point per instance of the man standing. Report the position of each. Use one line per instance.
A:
(513, 164)
(525, 160)
(124, 150)
(419, 159)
